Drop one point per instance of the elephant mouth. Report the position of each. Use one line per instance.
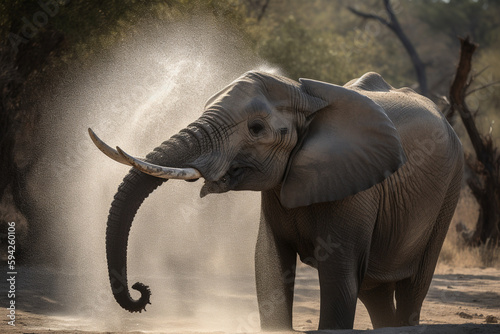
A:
(229, 181)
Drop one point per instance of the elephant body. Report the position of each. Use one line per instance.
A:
(378, 243)
(359, 181)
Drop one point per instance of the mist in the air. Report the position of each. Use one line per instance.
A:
(195, 254)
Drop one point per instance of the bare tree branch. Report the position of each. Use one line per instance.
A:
(482, 87)
(263, 10)
(394, 25)
(369, 16)
(481, 72)
(255, 7)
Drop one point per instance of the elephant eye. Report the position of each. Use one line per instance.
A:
(256, 128)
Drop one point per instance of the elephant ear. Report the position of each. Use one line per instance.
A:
(349, 146)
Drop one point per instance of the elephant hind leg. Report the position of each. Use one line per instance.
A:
(411, 292)
(409, 298)
(379, 302)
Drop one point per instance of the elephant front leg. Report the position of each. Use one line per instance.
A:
(340, 275)
(337, 302)
(275, 276)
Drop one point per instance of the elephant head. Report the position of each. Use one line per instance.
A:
(311, 141)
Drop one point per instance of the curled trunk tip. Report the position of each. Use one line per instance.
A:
(140, 304)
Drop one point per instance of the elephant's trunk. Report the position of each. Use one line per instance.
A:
(135, 188)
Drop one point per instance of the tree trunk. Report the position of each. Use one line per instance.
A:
(484, 178)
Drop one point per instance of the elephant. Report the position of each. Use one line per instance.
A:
(359, 181)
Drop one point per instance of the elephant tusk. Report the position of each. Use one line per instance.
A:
(110, 152)
(160, 171)
(155, 170)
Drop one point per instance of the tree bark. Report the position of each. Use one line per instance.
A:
(484, 180)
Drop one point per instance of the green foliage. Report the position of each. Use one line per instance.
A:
(322, 40)
(299, 51)
(477, 18)
(318, 53)
(91, 26)
(318, 39)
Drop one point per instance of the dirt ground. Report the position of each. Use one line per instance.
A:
(460, 300)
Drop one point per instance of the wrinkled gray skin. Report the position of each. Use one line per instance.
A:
(360, 181)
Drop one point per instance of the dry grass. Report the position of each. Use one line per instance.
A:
(454, 253)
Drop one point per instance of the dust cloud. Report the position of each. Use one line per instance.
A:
(195, 254)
